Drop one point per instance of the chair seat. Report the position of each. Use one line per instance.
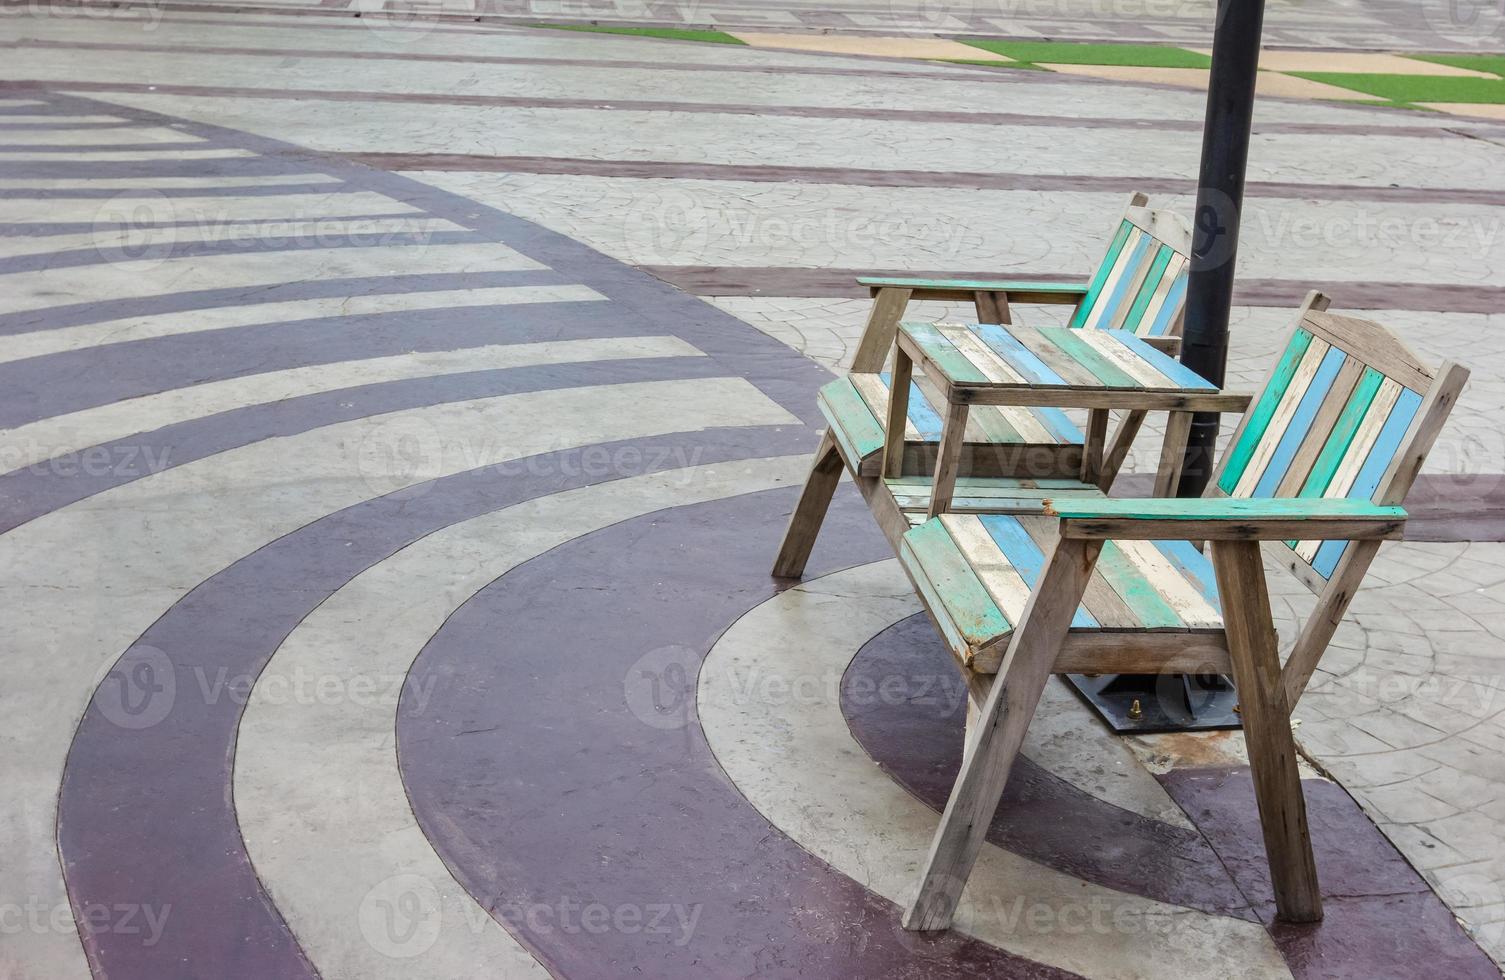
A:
(976, 573)
(1000, 441)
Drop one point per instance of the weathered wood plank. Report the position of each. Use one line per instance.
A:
(1104, 268)
(1280, 419)
(1253, 427)
(966, 603)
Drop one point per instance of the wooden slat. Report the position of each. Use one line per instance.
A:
(1112, 652)
(1074, 346)
(1167, 322)
(974, 285)
(1123, 267)
(934, 346)
(1280, 419)
(1019, 358)
(1010, 592)
(981, 355)
(852, 422)
(982, 425)
(1106, 343)
(1162, 304)
(1101, 275)
(1374, 345)
(1024, 555)
(1152, 611)
(1182, 596)
(966, 603)
(1153, 284)
(1336, 447)
(877, 339)
(1115, 312)
(1062, 364)
(1258, 417)
(1102, 604)
(1179, 373)
(1321, 428)
(874, 391)
(1367, 481)
(1364, 438)
(1194, 566)
(1318, 394)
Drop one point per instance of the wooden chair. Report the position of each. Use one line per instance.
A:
(1139, 286)
(1314, 473)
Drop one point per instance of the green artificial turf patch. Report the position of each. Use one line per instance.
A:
(1414, 88)
(672, 33)
(1476, 62)
(1067, 53)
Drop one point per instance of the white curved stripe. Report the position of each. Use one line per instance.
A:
(124, 156)
(151, 206)
(245, 233)
(92, 576)
(117, 281)
(146, 186)
(318, 795)
(118, 331)
(795, 760)
(62, 435)
(85, 138)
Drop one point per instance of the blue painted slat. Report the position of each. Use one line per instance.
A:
(1301, 422)
(1164, 363)
(1060, 424)
(1019, 357)
(1022, 552)
(1162, 324)
(1194, 565)
(1121, 288)
(921, 414)
(1375, 464)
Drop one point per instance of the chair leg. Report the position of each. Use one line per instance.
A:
(810, 512)
(1000, 732)
(1267, 728)
(882, 324)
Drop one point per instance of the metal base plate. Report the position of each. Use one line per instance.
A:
(1167, 702)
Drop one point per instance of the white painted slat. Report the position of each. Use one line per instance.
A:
(1270, 439)
(993, 367)
(1358, 451)
(1127, 361)
(875, 393)
(1157, 299)
(998, 577)
(1178, 593)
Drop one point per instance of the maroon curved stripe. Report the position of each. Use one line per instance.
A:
(905, 703)
(557, 764)
(145, 816)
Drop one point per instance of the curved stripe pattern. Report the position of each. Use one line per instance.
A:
(317, 792)
(821, 793)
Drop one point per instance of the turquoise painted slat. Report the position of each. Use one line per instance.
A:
(1336, 447)
(1090, 300)
(1195, 566)
(1148, 287)
(1164, 363)
(1059, 424)
(1135, 590)
(1018, 357)
(1022, 552)
(1169, 308)
(921, 413)
(1115, 300)
(967, 603)
(977, 285)
(851, 420)
(1301, 423)
(939, 348)
(1375, 464)
(1262, 410)
(1074, 347)
(1219, 508)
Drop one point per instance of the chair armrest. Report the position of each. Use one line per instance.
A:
(1017, 291)
(1227, 518)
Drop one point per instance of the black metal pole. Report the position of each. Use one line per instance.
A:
(1220, 199)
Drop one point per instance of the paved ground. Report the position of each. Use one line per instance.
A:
(387, 522)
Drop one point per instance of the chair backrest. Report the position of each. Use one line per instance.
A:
(1348, 411)
(1140, 285)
